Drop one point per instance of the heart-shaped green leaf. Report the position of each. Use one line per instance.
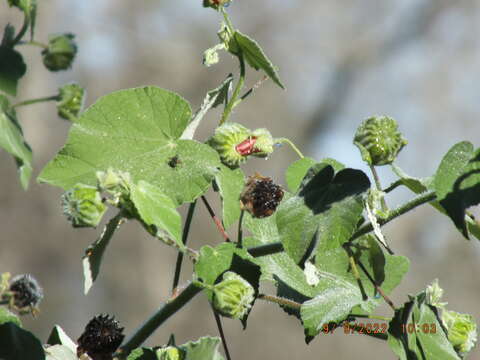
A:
(136, 131)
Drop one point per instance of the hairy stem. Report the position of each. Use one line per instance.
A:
(35, 101)
(186, 230)
(292, 145)
(377, 288)
(218, 320)
(240, 230)
(158, 318)
(23, 30)
(34, 43)
(252, 89)
(378, 185)
(419, 200)
(216, 220)
(393, 186)
(375, 317)
(280, 301)
(233, 101)
(277, 247)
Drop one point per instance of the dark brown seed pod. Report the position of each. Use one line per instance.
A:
(26, 291)
(260, 196)
(101, 337)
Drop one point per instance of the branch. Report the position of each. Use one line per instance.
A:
(158, 318)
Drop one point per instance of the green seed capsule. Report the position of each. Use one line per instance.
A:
(264, 143)
(233, 296)
(170, 353)
(83, 206)
(71, 101)
(60, 53)
(225, 141)
(378, 140)
(461, 330)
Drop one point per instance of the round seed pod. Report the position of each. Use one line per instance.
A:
(60, 53)
(101, 337)
(83, 206)
(225, 141)
(71, 101)
(261, 196)
(461, 330)
(263, 142)
(379, 140)
(170, 353)
(233, 296)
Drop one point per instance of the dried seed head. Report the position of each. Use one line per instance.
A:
(26, 291)
(260, 196)
(101, 337)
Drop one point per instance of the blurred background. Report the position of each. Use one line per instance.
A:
(341, 61)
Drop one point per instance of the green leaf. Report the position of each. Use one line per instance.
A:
(213, 98)
(327, 206)
(12, 68)
(457, 183)
(11, 139)
(60, 352)
(8, 316)
(205, 348)
(94, 253)
(19, 344)
(230, 184)
(336, 277)
(332, 305)
(296, 171)
(59, 337)
(255, 56)
(136, 131)
(156, 208)
(142, 354)
(416, 331)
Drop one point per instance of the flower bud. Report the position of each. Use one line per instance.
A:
(216, 4)
(433, 295)
(260, 196)
(170, 353)
(378, 140)
(461, 330)
(226, 139)
(83, 206)
(60, 52)
(263, 143)
(24, 292)
(233, 296)
(71, 101)
(101, 337)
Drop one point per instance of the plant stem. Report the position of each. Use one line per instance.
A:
(186, 230)
(240, 230)
(280, 301)
(227, 20)
(34, 43)
(158, 318)
(252, 89)
(34, 101)
(419, 200)
(231, 104)
(393, 186)
(23, 30)
(378, 185)
(292, 145)
(377, 288)
(277, 247)
(218, 320)
(267, 249)
(216, 220)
